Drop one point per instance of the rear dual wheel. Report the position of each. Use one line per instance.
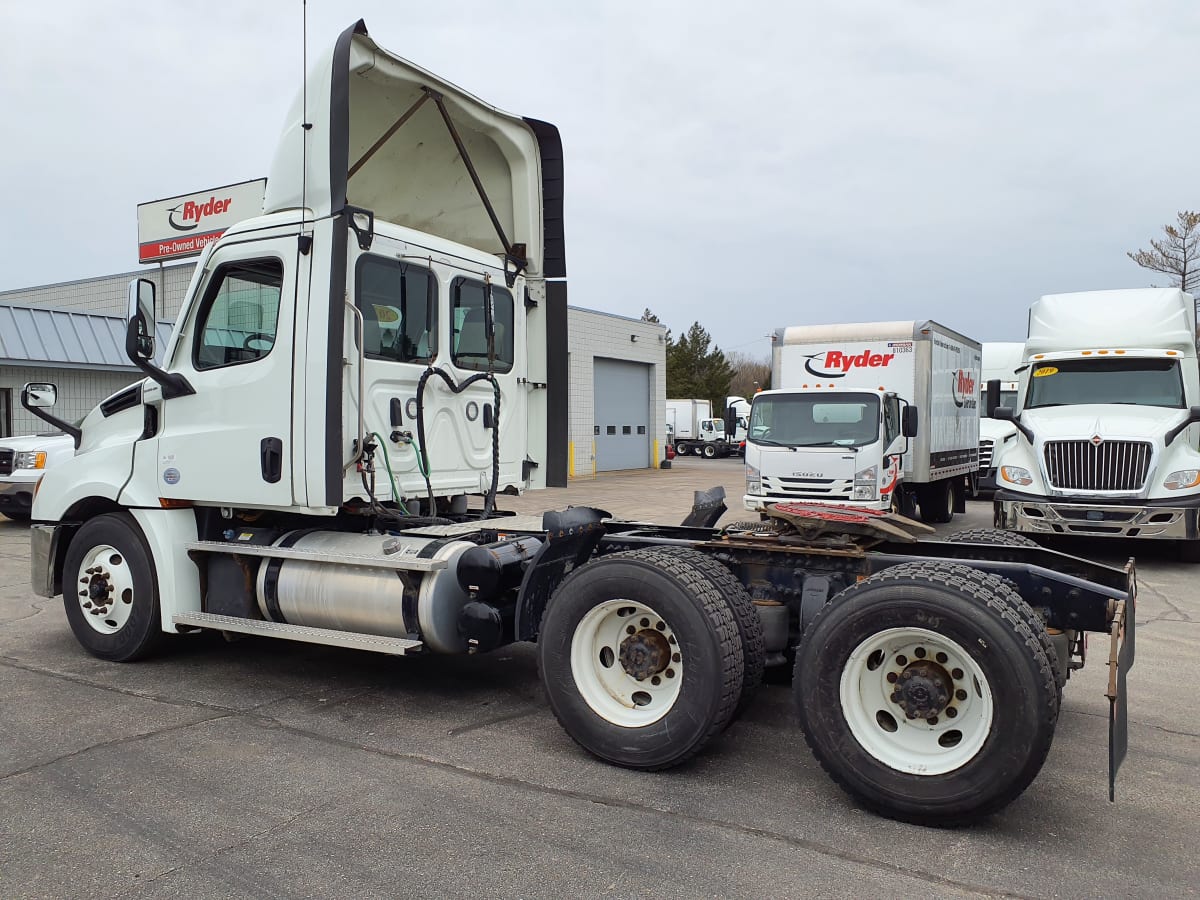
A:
(641, 658)
(924, 693)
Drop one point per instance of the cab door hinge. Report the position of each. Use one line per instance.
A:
(533, 384)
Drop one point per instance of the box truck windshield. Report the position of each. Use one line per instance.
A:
(804, 420)
(1140, 382)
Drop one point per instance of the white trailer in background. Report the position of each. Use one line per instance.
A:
(832, 431)
(1000, 363)
(1108, 410)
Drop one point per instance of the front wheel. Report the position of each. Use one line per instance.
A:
(925, 695)
(110, 592)
(641, 659)
(710, 451)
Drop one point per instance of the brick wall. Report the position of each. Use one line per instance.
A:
(591, 334)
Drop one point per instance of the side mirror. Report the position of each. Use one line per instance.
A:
(1003, 414)
(909, 421)
(993, 398)
(1192, 417)
(139, 329)
(40, 395)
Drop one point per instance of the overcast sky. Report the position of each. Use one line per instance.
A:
(749, 165)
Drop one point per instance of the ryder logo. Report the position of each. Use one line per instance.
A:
(964, 390)
(187, 215)
(836, 364)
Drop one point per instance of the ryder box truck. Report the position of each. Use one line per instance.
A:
(882, 415)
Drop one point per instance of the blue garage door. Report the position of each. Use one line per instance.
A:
(622, 396)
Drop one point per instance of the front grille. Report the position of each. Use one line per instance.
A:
(811, 488)
(985, 456)
(6, 461)
(1108, 466)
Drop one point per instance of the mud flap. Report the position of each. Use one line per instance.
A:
(1120, 661)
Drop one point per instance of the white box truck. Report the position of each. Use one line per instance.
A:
(1108, 411)
(405, 355)
(692, 429)
(880, 415)
(1000, 363)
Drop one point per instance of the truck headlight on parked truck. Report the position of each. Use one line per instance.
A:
(30, 459)
(866, 484)
(1184, 478)
(753, 480)
(1016, 475)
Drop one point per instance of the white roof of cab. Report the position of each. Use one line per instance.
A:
(1142, 319)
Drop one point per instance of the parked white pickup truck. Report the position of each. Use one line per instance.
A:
(22, 462)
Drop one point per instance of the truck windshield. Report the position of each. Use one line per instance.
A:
(812, 420)
(1007, 398)
(1142, 382)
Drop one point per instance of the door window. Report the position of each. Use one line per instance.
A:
(469, 343)
(398, 301)
(240, 313)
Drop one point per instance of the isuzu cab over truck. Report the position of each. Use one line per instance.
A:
(1108, 411)
(357, 376)
(1000, 364)
(879, 415)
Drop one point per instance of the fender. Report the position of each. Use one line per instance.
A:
(571, 536)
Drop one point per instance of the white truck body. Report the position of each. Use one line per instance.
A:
(923, 364)
(1106, 410)
(23, 461)
(1000, 363)
(685, 419)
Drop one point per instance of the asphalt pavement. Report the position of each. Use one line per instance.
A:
(262, 768)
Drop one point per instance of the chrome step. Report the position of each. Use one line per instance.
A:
(405, 561)
(327, 636)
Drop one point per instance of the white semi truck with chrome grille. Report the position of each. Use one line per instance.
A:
(1108, 420)
(358, 376)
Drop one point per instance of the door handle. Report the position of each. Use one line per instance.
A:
(271, 458)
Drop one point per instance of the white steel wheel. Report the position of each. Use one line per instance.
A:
(104, 588)
(627, 663)
(916, 701)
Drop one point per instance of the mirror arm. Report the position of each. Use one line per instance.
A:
(1192, 418)
(173, 384)
(66, 427)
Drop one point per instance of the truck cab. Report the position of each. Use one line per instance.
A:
(1001, 360)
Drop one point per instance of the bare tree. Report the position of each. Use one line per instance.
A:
(1178, 254)
(750, 374)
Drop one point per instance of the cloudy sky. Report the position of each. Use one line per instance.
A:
(750, 165)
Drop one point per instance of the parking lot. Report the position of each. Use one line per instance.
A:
(264, 769)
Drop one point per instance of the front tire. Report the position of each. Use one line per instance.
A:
(709, 451)
(925, 695)
(110, 590)
(641, 659)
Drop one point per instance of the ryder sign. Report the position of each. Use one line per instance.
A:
(183, 226)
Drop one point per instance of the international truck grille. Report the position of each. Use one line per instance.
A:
(811, 488)
(1102, 466)
(6, 461)
(985, 456)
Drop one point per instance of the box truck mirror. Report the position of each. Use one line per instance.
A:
(993, 398)
(909, 421)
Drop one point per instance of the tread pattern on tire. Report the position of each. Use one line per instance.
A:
(991, 536)
(744, 613)
(979, 586)
(718, 613)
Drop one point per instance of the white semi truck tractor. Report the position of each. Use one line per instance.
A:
(1108, 415)
(876, 415)
(1000, 363)
(358, 377)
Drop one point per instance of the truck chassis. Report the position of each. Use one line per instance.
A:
(927, 675)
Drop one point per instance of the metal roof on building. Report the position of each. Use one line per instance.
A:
(68, 340)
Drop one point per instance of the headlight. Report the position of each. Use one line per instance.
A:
(1016, 475)
(753, 480)
(866, 485)
(30, 459)
(1184, 478)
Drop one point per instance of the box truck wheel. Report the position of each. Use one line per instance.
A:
(925, 695)
(937, 501)
(641, 659)
(110, 591)
(749, 623)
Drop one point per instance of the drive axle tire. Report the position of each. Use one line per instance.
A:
(641, 659)
(992, 536)
(681, 449)
(925, 694)
(710, 452)
(110, 591)
(745, 614)
(937, 502)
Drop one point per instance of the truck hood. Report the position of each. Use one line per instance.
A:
(1065, 423)
(367, 131)
(838, 463)
(995, 430)
(45, 442)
